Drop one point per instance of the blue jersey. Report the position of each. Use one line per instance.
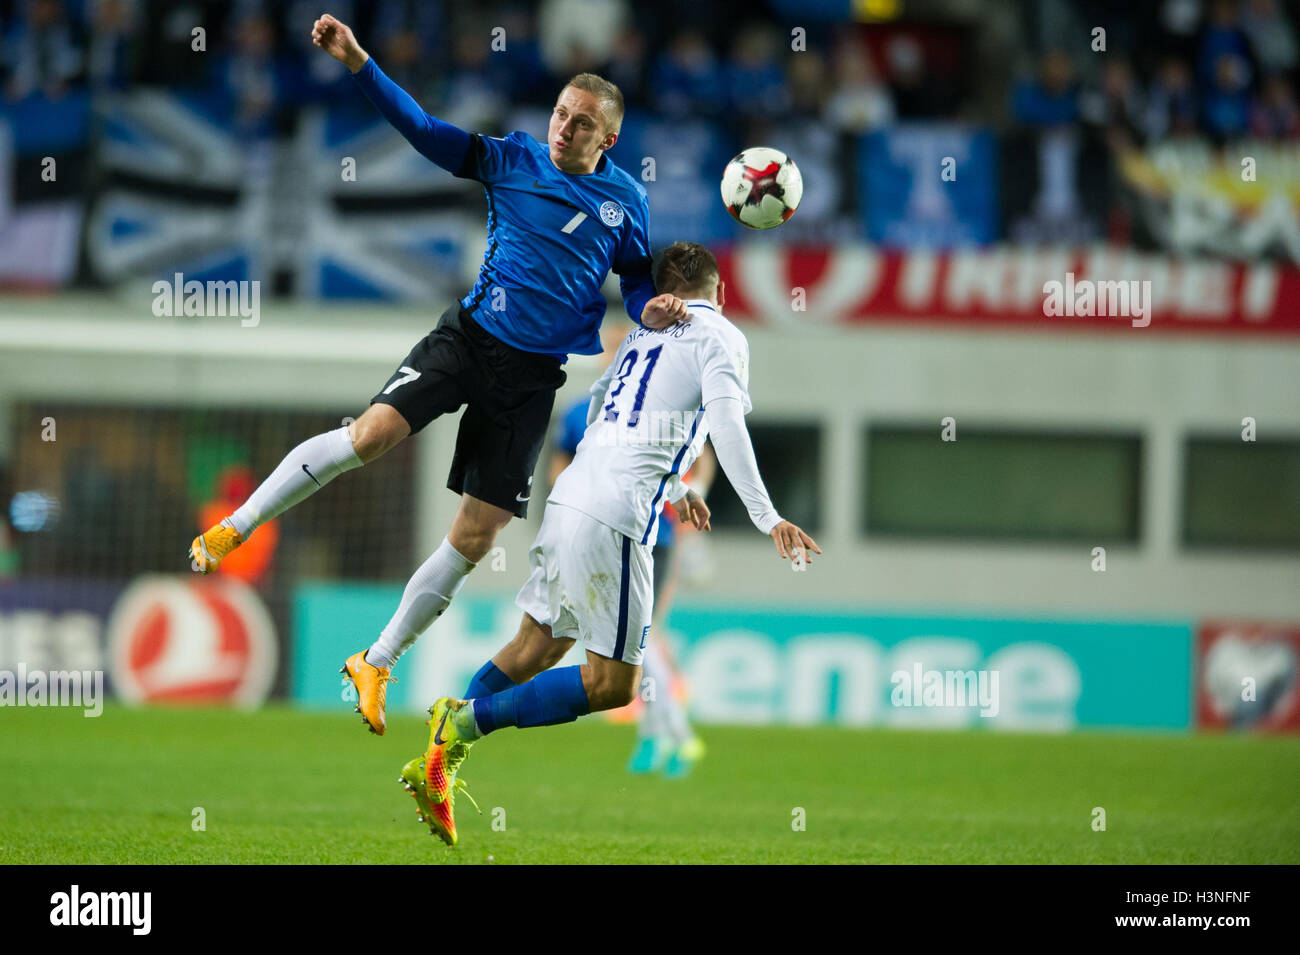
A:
(553, 237)
(572, 428)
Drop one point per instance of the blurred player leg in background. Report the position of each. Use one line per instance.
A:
(665, 739)
(664, 736)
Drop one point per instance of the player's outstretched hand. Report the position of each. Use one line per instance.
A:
(663, 310)
(335, 38)
(791, 541)
(692, 510)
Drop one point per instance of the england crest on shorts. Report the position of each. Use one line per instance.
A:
(611, 213)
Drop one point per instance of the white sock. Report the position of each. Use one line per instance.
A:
(466, 724)
(663, 717)
(303, 472)
(427, 595)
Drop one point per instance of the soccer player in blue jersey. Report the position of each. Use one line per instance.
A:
(560, 217)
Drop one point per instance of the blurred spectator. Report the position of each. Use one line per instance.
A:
(1275, 114)
(1221, 36)
(579, 35)
(406, 34)
(1226, 103)
(1171, 102)
(1051, 99)
(860, 101)
(627, 67)
(1179, 20)
(755, 82)
(250, 77)
(1272, 35)
(809, 86)
(1116, 105)
(112, 31)
(687, 78)
(43, 51)
(1050, 105)
(406, 61)
(168, 41)
(530, 84)
(475, 96)
(391, 17)
(916, 95)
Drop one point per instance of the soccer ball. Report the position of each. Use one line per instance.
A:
(761, 187)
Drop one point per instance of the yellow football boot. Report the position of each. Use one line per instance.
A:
(371, 683)
(211, 547)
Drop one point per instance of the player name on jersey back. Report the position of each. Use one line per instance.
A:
(651, 423)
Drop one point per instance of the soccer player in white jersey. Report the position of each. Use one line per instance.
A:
(591, 567)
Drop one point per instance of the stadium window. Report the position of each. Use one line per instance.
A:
(789, 459)
(1001, 484)
(1241, 493)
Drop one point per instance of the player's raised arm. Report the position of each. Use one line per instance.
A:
(442, 143)
(336, 38)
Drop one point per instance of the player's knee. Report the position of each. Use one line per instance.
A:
(610, 695)
(377, 431)
(554, 654)
(475, 530)
(472, 541)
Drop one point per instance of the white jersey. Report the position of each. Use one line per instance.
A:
(649, 425)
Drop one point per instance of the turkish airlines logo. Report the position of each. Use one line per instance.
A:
(191, 641)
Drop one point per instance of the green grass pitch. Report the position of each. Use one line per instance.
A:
(281, 785)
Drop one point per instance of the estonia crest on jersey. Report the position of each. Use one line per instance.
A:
(611, 213)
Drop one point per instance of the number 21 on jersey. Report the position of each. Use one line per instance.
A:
(624, 370)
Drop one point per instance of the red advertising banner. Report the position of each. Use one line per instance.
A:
(1037, 289)
(1247, 676)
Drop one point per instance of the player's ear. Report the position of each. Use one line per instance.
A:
(722, 297)
(609, 141)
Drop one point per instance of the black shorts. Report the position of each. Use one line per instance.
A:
(508, 393)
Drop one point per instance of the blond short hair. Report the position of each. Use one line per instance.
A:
(609, 96)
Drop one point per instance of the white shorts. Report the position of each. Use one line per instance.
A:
(590, 583)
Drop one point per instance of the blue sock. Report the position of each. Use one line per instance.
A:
(553, 696)
(487, 681)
